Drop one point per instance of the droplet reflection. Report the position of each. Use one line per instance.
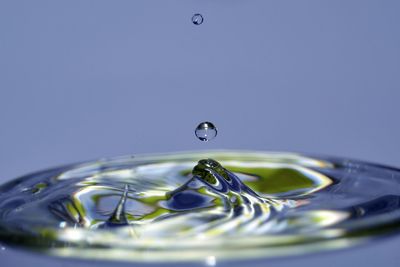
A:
(206, 131)
(197, 19)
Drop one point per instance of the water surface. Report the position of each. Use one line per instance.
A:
(193, 206)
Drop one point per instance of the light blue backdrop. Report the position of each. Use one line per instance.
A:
(86, 79)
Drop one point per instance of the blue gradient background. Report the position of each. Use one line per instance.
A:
(87, 79)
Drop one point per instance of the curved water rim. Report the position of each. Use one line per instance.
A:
(84, 242)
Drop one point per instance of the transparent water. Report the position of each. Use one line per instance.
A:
(193, 206)
(197, 19)
(206, 131)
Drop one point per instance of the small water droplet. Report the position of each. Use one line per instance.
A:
(206, 131)
(197, 19)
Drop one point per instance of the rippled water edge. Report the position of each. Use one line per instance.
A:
(358, 203)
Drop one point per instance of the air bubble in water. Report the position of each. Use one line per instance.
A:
(197, 19)
(206, 131)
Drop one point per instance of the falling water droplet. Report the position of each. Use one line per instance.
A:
(197, 19)
(206, 131)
